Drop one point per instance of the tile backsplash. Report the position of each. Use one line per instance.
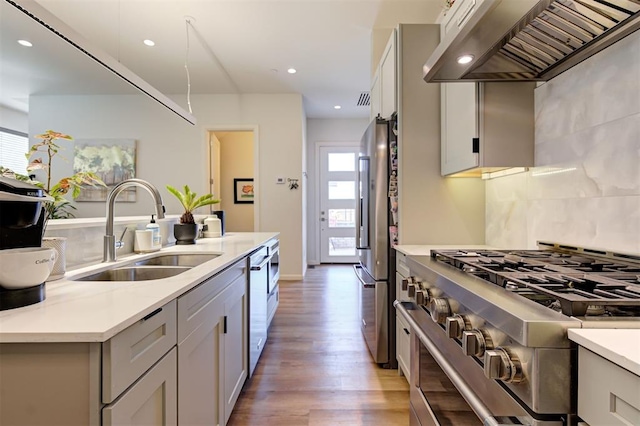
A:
(585, 188)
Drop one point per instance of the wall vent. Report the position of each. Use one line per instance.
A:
(363, 100)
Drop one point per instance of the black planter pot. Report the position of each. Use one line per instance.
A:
(185, 233)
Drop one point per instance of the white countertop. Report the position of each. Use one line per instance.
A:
(425, 250)
(77, 311)
(620, 346)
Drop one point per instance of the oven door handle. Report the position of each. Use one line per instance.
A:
(458, 381)
(262, 264)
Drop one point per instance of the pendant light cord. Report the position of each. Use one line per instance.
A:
(186, 67)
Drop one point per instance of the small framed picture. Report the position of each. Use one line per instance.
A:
(243, 191)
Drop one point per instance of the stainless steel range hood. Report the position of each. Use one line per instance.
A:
(521, 40)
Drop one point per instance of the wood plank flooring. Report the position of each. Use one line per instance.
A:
(316, 369)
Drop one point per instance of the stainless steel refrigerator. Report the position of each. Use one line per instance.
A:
(375, 227)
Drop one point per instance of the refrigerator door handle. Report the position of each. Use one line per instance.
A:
(362, 228)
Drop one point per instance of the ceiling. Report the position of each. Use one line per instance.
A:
(234, 46)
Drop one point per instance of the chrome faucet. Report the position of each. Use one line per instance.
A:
(110, 243)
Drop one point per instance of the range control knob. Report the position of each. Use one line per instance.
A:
(455, 325)
(411, 290)
(474, 342)
(405, 284)
(501, 365)
(439, 308)
(422, 297)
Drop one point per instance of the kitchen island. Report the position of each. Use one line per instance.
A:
(165, 351)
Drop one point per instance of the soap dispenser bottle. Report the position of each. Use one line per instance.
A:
(156, 239)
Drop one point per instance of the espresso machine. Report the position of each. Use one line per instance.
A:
(22, 218)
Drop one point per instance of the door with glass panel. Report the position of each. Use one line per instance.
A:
(338, 168)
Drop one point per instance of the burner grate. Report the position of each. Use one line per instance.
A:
(573, 284)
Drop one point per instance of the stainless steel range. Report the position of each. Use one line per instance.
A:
(490, 329)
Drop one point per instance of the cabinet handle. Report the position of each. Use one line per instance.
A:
(152, 314)
(475, 145)
(406, 331)
(224, 331)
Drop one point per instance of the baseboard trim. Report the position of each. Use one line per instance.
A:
(290, 277)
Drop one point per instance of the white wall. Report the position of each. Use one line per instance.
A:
(236, 160)
(333, 131)
(585, 188)
(14, 120)
(170, 151)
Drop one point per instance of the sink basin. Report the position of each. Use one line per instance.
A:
(136, 273)
(177, 259)
(153, 268)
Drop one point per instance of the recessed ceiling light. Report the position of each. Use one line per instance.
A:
(292, 71)
(25, 43)
(337, 107)
(149, 42)
(465, 59)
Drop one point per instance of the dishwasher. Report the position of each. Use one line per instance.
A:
(258, 291)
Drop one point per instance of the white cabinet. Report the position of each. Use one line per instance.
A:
(383, 95)
(403, 331)
(151, 401)
(387, 72)
(212, 347)
(235, 363)
(486, 127)
(607, 393)
(375, 96)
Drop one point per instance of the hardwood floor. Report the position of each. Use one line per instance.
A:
(316, 369)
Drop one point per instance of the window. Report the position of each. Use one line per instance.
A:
(342, 162)
(13, 146)
(342, 190)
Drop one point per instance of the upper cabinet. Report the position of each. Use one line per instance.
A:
(486, 127)
(383, 96)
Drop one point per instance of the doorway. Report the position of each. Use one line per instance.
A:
(231, 157)
(337, 192)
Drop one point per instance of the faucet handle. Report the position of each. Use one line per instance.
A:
(120, 243)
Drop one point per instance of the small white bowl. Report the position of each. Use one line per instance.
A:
(25, 267)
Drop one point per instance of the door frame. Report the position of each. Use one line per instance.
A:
(206, 130)
(316, 213)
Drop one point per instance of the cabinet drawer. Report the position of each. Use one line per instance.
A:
(130, 353)
(191, 305)
(607, 393)
(153, 400)
(403, 346)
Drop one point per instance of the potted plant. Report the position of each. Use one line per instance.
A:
(61, 207)
(187, 230)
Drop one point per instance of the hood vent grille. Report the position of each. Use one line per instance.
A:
(541, 45)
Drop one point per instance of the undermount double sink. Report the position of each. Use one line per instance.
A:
(152, 268)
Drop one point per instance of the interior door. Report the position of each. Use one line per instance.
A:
(338, 191)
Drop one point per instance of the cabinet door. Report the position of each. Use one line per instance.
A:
(403, 347)
(459, 126)
(199, 367)
(375, 97)
(152, 400)
(388, 78)
(234, 347)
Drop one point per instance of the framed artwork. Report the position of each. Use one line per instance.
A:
(243, 191)
(113, 160)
